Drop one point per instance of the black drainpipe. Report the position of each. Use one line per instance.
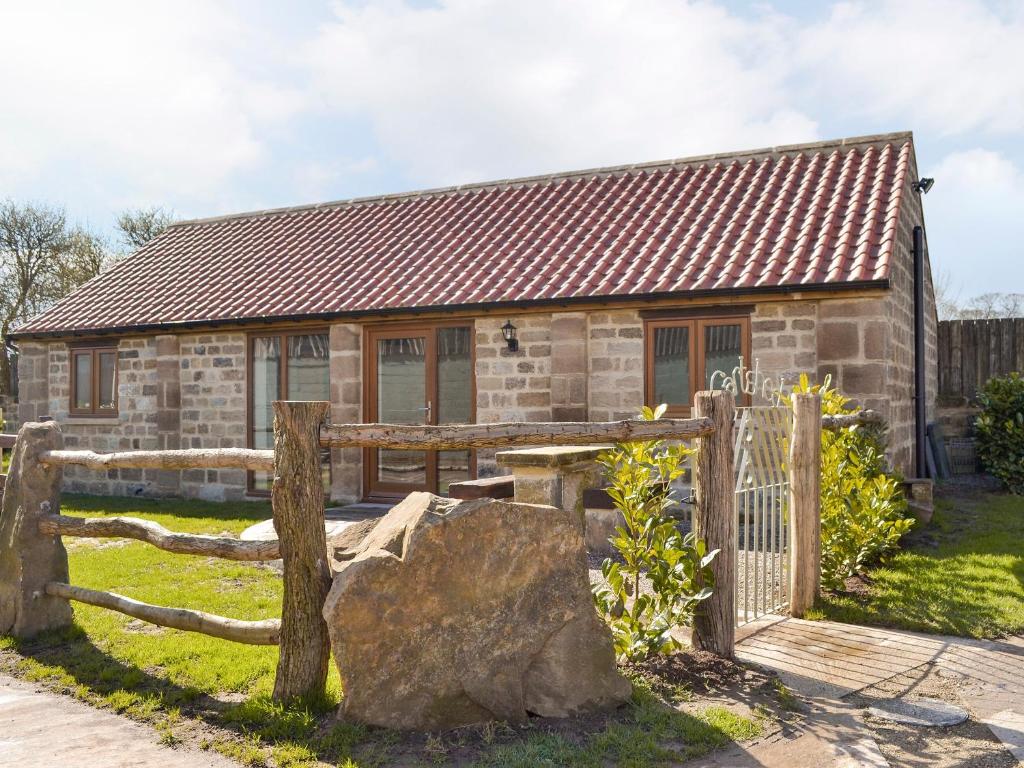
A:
(920, 400)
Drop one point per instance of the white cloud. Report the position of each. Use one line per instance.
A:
(132, 100)
(473, 89)
(948, 66)
(975, 222)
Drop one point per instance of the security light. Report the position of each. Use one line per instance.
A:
(924, 184)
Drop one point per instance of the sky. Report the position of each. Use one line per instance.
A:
(211, 107)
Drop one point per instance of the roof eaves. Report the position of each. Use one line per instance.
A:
(175, 327)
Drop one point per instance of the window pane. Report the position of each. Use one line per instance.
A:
(401, 399)
(672, 366)
(454, 399)
(108, 377)
(452, 467)
(83, 380)
(309, 367)
(266, 358)
(723, 350)
(454, 376)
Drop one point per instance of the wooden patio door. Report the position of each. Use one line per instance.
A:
(418, 375)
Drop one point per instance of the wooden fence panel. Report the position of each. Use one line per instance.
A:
(973, 351)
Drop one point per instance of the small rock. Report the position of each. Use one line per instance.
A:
(920, 711)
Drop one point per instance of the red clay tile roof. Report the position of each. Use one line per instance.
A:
(812, 215)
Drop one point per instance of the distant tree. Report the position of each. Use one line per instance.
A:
(140, 225)
(947, 298)
(994, 305)
(42, 259)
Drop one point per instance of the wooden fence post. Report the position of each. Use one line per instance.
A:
(805, 503)
(29, 559)
(298, 501)
(714, 520)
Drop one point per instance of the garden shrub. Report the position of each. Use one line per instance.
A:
(863, 511)
(650, 545)
(1000, 429)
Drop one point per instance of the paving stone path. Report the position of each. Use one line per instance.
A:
(841, 670)
(39, 729)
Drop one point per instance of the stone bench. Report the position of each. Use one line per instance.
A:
(564, 477)
(501, 487)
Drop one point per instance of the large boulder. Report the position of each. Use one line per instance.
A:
(452, 613)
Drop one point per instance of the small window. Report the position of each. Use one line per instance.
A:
(94, 381)
(682, 356)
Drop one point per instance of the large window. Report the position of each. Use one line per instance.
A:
(284, 366)
(683, 355)
(94, 381)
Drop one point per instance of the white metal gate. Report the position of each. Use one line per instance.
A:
(762, 494)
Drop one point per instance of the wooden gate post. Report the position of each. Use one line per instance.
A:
(298, 501)
(714, 520)
(805, 503)
(29, 559)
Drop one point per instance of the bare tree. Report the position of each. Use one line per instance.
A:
(42, 259)
(947, 297)
(994, 305)
(140, 225)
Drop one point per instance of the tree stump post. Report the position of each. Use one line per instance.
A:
(29, 559)
(714, 520)
(298, 502)
(805, 503)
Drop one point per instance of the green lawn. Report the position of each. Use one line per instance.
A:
(961, 575)
(215, 693)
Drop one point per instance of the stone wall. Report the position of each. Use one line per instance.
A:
(134, 428)
(33, 381)
(569, 366)
(213, 409)
(783, 340)
(900, 311)
(346, 408)
(615, 367)
(512, 386)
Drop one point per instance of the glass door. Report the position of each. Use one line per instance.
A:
(419, 376)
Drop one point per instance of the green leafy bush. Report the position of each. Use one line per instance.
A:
(863, 511)
(1000, 429)
(650, 545)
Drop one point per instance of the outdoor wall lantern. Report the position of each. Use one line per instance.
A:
(508, 332)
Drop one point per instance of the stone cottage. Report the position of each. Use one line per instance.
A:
(573, 296)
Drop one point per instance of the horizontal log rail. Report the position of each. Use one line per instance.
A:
(860, 418)
(265, 632)
(509, 434)
(161, 538)
(188, 458)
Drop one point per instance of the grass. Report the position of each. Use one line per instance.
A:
(961, 575)
(215, 694)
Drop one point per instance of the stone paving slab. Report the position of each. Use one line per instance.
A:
(827, 661)
(39, 729)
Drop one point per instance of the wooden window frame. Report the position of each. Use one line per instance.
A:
(282, 383)
(696, 327)
(382, 492)
(93, 351)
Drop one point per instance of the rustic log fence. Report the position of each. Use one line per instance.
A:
(35, 590)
